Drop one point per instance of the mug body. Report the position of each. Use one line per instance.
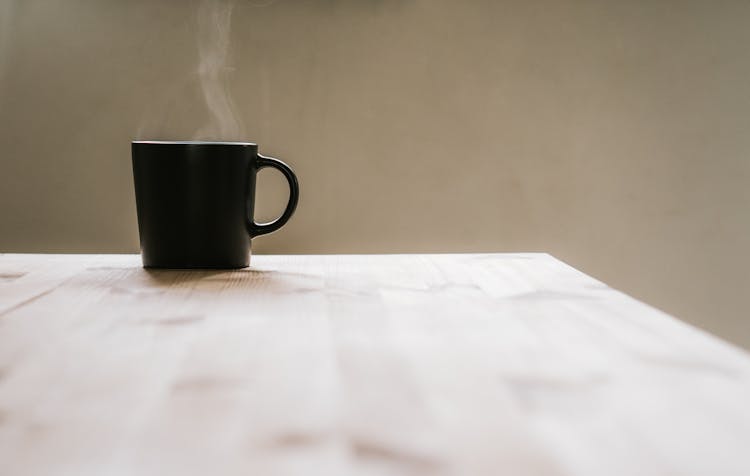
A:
(194, 202)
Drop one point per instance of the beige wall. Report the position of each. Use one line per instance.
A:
(612, 134)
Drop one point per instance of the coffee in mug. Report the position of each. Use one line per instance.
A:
(195, 202)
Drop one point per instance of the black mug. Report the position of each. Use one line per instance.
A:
(195, 202)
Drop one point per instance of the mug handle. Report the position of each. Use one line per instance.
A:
(257, 229)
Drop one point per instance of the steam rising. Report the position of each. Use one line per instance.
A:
(197, 105)
(214, 28)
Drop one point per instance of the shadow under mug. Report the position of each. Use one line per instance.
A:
(196, 200)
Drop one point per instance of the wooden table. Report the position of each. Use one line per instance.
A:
(493, 364)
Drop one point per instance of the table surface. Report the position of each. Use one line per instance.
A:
(393, 364)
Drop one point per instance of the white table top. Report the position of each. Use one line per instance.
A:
(398, 364)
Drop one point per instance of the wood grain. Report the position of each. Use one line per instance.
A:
(373, 365)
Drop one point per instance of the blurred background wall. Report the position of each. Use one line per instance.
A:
(611, 134)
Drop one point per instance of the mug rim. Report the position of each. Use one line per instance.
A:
(191, 142)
